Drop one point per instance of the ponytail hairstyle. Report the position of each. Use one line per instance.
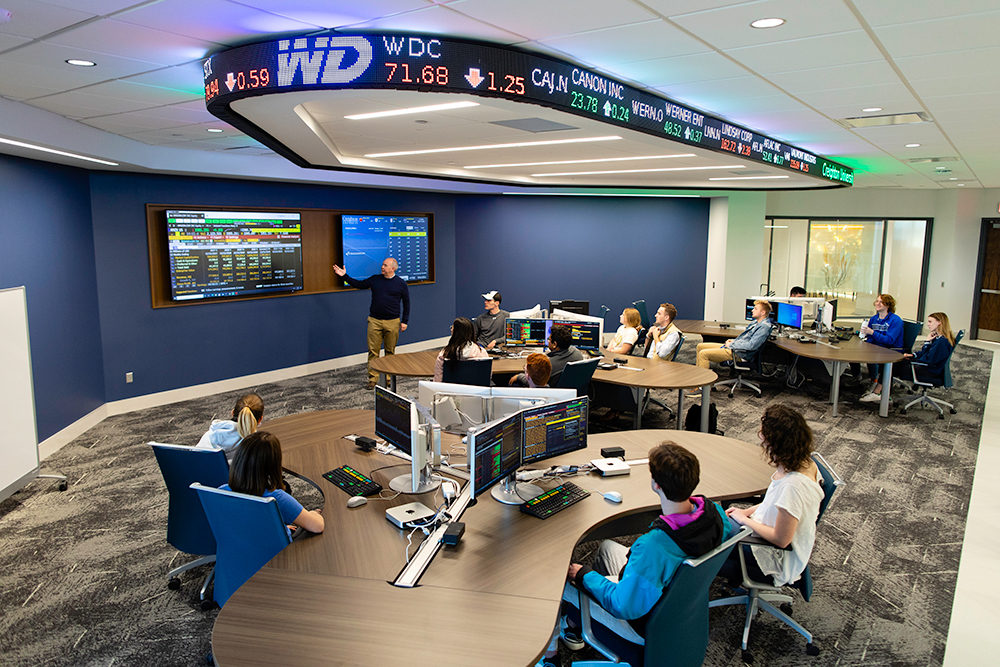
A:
(256, 468)
(247, 414)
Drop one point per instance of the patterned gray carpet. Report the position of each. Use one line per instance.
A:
(82, 573)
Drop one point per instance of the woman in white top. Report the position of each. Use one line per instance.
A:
(462, 345)
(787, 515)
(227, 434)
(628, 332)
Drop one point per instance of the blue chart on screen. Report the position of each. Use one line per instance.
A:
(369, 239)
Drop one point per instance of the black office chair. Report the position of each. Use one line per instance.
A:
(925, 384)
(768, 597)
(649, 394)
(476, 372)
(744, 364)
(577, 375)
(910, 332)
(640, 305)
(677, 628)
(638, 349)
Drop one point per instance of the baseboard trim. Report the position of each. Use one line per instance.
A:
(54, 443)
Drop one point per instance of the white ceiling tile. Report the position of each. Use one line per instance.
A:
(440, 20)
(861, 97)
(827, 50)
(16, 87)
(984, 63)
(81, 105)
(33, 18)
(540, 20)
(673, 8)
(959, 33)
(627, 43)
(189, 77)
(754, 105)
(24, 76)
(96, 7)
(664, 72)
(49, 60)
(723, 89)
(729, 27)
(331, 15)
(127, 123)
(891, 12)
(873, 73)
(219, 21)
(987, 101)
(950, 86)
(10, 41)
(854, 110)
(148, 96)
(134, 41)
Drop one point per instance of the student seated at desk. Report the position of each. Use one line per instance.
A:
(884, 329)
(256, 471)
(461, 345)
(934, 352)
(664, 335)
(628, 332)
(627, 583)
(226, 434)
(561, 352)
(749, 341)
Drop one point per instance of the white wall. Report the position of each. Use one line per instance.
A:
(744, 249)
(715, 266)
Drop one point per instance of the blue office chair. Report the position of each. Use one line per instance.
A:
(478, 372)
(925, 384)
(577, 375)
(187, 527)
(910, 332)
(768, 597)
(640, 305)
(677, 628)
(249, 532)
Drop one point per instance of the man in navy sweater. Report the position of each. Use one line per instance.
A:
(384, 321)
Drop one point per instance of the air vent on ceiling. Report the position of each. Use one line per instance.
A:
(923, 160)
(533, 125)
(890, 119)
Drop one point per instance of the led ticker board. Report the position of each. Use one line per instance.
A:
(409, 62)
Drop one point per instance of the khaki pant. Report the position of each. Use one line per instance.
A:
(708, 352)
(379, 332)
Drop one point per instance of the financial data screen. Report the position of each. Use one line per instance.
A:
(497, 452)
(369, 239)
(392, 419)
(554, 429)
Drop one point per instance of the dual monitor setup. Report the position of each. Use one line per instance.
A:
(537, 428)
(215, 254)
(790, 312)
(527, 332)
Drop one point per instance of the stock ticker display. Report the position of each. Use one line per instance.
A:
(425, 63)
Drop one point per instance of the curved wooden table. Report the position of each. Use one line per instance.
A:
(494, 599)
(711, 331)
(847, 352)
(653, 374)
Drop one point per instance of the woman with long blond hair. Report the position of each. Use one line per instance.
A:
(935, 350)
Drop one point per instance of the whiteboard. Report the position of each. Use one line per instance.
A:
(19, 438)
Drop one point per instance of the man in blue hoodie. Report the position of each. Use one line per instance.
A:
(627, 583)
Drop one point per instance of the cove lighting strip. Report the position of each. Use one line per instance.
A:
(603, 159)
(746, 178)
(523, 144)
(594, 194)
(403, 112)
(639, 171)
(33, 147)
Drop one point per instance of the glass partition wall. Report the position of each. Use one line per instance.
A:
(851, 260)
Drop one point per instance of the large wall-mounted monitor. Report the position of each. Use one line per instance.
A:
(368, 238)
(226, 254)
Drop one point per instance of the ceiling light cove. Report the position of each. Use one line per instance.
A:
(403, 112)
(521, 144)
(603, 159)
(639, 171)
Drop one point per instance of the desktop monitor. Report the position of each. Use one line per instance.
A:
(773, 315)
(397, 421)
(586, 335)
(521, 332)
(457, 407)
(554, 429)
(570, 305)
(504, 401)
(790, 315)
(496, 453)
(829, 315)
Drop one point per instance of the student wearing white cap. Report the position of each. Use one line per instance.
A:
(489, 326)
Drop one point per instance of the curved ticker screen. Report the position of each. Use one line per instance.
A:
(430, 63)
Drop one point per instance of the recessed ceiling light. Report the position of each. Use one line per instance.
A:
(912, 145)
(54, 151)
(871, 109)
(80, 63)
(403, 112)
(961, 185)
(523, 144)
(638, 171)
(745, 178)
(767, 23)
(953, 178)
(603, 159)
(214, 129)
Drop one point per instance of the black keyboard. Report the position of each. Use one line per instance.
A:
(554, 500)
(352, 482)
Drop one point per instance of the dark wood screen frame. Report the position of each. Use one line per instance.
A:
(322, 247)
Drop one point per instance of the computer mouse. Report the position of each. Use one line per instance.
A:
(613, 496)
(357, 501)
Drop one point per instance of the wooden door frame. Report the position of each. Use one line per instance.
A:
(984, 228)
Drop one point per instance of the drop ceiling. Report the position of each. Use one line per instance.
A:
(829, 61)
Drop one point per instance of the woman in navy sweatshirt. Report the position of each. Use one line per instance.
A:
(936, 349)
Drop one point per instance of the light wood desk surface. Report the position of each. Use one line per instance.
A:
(492, 600)
(710, 330)
(654, 373)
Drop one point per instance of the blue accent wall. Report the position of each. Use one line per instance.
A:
(606, 250)
(47, 245)
(168, 348)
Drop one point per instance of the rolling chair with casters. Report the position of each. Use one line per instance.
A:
(188, 529)
(477, 372)
(577, 375)
(945, 381)
(673, 357)
(749, 363)
(249, 532)
(677, 627)
(768, 597)
(910, 332)
(640, 305)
